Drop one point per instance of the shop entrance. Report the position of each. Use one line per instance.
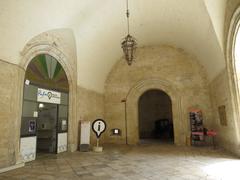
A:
(44, 123)
(155, 117)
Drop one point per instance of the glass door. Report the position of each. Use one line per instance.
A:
(46, 128)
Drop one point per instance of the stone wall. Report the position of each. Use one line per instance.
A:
(166, 68)
(89, 107)
(227, 136)
(10, 110)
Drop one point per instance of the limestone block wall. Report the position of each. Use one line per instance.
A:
(10, 109)
(166, 68)
(89, 107)
(227, 136)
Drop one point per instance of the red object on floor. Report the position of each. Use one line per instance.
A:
(211, 133)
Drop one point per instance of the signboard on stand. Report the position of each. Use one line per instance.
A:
(84, 135)
(28, 148)
(62, 142)
(48, 96)
(98, 127)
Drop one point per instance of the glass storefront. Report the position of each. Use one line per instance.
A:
(42, 120)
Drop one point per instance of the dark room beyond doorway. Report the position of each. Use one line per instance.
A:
(155, 116)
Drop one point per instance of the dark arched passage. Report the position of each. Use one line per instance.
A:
(155, 116)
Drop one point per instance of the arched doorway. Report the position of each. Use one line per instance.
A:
(44, 123)
(180, 123)
(155, 116)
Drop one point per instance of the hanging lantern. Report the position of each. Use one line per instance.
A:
(129, 44)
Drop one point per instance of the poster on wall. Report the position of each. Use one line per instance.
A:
(64, 125)
(48, 96)
(32, 126)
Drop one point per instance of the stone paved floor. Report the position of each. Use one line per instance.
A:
(147, 161)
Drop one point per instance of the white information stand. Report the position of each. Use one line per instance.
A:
(62, 142)
(28, 148)
(84, 135)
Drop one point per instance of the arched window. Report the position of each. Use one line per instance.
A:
(236, 53)
(233, 60)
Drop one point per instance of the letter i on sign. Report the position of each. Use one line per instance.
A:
(98, 127)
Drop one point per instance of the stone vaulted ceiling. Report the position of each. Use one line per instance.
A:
(99, 26)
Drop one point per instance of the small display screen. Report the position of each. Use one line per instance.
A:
(116, 132)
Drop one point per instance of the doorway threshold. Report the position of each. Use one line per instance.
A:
(156, 141)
